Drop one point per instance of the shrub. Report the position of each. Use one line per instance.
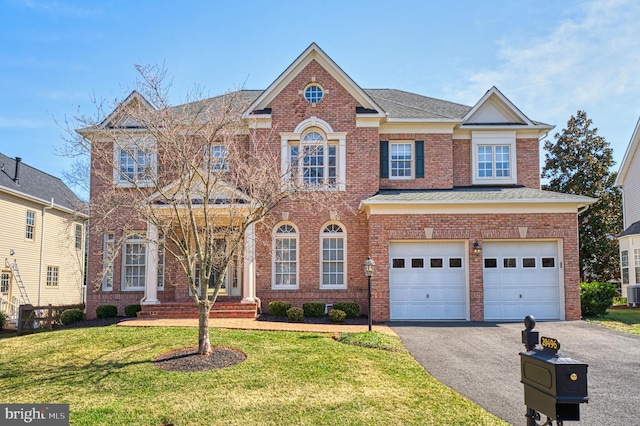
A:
(107, 311)
(69, 316)
(4, 319)
(295, 314)
(352, 309)
(313, 309)
(132, 310)
(336, 315)
(595, 298)
(279, 308)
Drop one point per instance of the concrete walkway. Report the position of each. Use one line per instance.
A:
(252, 324)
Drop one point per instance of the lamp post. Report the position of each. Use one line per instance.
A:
(368, 271)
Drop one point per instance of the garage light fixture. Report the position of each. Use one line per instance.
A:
(476, 248)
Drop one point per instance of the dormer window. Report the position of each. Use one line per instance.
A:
(493, 156)
(313, 93)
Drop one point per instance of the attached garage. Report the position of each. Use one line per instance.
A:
(522, 278)
(427, 281)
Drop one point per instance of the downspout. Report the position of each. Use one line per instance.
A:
(44, 209)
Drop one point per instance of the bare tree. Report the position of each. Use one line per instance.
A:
(195, 174)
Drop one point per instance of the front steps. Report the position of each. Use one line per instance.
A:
(189, 310)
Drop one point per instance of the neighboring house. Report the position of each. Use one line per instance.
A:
(41, 238)
(448, 204)
(628, 181)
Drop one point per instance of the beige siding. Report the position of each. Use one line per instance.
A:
(59, 250)
(631, 192)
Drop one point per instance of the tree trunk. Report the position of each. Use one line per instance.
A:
(204, 345)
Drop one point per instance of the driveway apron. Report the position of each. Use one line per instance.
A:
(481, 362)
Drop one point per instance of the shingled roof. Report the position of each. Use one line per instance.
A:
(36, 185)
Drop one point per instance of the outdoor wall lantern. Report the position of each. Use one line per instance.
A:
(476, 248)
(368, 271)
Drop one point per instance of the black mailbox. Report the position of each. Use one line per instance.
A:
(554, 385)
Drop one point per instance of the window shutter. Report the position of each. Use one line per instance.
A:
(384, 159)
(419, 159)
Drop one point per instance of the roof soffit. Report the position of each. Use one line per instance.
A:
(313, 52)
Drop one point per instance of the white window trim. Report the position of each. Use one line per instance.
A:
(52, 280)
(27, 225)
(343, 235)
(413, 159)
(624, 265)
(219, 166)
(134, 143)
(288, 139)
(161, 252)
(107, 263)
(131, 240)
(275, 286)
(493, 139)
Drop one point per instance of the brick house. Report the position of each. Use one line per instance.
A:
(447, 200)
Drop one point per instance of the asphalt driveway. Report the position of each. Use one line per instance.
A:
(481, 362)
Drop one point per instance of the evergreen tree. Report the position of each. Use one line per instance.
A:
(579, 162)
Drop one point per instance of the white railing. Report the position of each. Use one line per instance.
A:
(10, 307)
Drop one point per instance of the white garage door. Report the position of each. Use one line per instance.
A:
(427, 281)
(521, 278)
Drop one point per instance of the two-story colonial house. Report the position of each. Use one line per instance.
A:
(42, 239)
(447, 199)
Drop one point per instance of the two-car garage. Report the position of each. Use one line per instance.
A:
(429, 280)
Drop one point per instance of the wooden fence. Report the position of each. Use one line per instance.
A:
(32, 317)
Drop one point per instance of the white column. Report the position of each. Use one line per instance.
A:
(151, 267)
(249, 275)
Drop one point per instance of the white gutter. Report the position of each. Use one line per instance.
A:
(44, 209)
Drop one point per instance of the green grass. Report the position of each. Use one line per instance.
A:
(372, 339)
(106, 376)
(620, 319)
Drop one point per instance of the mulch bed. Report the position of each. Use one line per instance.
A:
(317, 320)
(187, 360)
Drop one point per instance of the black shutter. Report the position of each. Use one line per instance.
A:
(419, 159)
(384, 159)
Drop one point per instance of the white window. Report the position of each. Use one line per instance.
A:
(401, 160)
(161, 264)
(624, 264)
(52, 276)
(636, 258)
(314, 155)
(313, 93)
(315, 161)
(5, 280)
(285, 257)
(216, 158)
(78, 235)
(107, 261)
(333, 257)
(134, 263)
(494, 158)
(136, 162)
(30, 228)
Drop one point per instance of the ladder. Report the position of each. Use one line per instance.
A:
(16, 273)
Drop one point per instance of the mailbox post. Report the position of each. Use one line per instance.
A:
(554, 385)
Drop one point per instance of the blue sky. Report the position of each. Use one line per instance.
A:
(549, 58)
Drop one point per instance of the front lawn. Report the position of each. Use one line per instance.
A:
(620, 319)
(106, 376)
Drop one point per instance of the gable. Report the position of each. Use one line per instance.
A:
(495, 109)
(313, 53)
(119, 118)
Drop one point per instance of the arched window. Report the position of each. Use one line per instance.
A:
(285, 257)
(333, 260)
(315, 160)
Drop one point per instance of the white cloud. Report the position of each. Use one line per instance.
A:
(579, 62)
(59, 8)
